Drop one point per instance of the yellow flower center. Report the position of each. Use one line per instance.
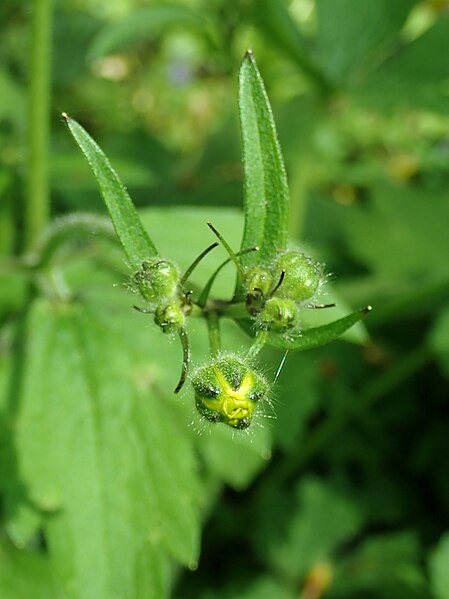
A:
(233, 404)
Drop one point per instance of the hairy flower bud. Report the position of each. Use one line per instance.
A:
(258, 282)
(227, 390)
(302, 276)
(258, 278)
(170, 317)
(157, 280)
(278, 315)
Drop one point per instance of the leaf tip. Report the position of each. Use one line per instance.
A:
(65, 117)
(366, 309)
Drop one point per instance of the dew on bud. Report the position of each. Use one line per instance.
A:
(227, 390)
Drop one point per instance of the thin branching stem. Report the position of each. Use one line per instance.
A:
(213, 327)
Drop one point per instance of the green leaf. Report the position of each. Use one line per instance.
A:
(415, 76)
(439, 568)
(266, 188)
(25, 574)
(235, 459)
(276, 22)
(411, 222)
(96, 450)
(310, 530)
(133, 237)
(142, 25)
(439, 340)
(382, 563)
(259, 587)
(292, 417)
(352, 33)
(311, 338)
(312, 318)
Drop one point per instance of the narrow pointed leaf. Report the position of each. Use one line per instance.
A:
(128, 226)
(317, 336)
(266, 189)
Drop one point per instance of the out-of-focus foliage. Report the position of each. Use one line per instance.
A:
(346, 493)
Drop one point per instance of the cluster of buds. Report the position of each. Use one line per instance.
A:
(275, 293)
(228, 389)
(158, 281)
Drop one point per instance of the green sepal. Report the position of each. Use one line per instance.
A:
(266, 189)
(317, 336)
(128, 226)
(309, 338)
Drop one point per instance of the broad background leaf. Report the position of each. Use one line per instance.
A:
(352, 33)
(415, 76)
(405, 219)
(142, 25)
(86, 451)
(311, 528)
(439, 568)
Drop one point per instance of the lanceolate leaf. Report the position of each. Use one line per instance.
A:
(96, 451)
(317, 336)
(266, 189)
(133, 237)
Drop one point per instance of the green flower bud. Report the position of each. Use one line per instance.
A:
(157, 279)
(227, 390)
(258, 278)
(258, 283)
(170, 317)
(279, 315)
(302, 277)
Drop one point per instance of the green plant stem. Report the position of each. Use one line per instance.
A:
(231, 310)
(259, 342)
(213, 327)
(37, 187)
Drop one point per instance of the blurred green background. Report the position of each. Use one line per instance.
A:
(349, 495)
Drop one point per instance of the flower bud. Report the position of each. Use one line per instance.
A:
(302, 276)
(258, 283)
(258, 278)
(279, 315)
(157, 280)
(227, 390)
(170, 317)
